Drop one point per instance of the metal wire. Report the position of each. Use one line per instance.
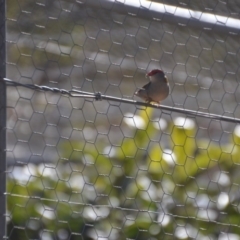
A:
(98, 97)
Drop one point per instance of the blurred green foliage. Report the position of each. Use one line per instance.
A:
(140, 190)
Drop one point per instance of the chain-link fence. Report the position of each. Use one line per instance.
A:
(77, 168)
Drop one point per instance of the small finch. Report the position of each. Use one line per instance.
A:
(156, 90)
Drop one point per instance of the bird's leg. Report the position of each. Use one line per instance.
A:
(148, 100)
(154, 103)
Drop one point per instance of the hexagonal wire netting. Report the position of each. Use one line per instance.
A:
(84, 169)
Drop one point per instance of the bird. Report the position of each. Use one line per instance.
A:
(156, 90)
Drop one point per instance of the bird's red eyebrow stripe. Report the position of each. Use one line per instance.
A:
(153, 72)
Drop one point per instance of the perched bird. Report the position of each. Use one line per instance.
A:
(157, 89)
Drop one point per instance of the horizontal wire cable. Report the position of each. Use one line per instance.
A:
(98, 97)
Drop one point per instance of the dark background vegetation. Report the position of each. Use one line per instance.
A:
(80, 169)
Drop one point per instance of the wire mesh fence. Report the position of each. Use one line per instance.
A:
(2, 122)
(80, 168)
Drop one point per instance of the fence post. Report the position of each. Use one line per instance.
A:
(2, 122)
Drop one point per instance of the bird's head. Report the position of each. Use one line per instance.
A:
(157, 74)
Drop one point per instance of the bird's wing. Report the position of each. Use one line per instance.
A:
(146, 85)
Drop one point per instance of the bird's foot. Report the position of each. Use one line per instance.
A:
(153, 103)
